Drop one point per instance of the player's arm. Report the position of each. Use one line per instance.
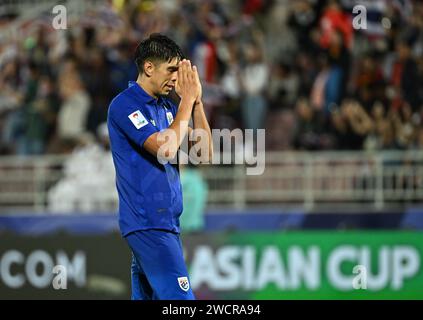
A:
(167, 142)
(202, 138)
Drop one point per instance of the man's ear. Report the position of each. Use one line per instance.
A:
(148, 68)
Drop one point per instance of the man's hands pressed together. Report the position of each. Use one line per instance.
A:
(165, 144)
(188, 84)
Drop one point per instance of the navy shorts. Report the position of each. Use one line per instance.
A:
(158, 270)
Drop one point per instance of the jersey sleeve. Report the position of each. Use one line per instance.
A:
(131, 121)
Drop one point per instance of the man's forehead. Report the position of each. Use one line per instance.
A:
(174, 62)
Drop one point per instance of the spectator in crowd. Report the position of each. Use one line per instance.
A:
(121, 67)
(254, 80)
(303, 19)
(32, 122)
(334, 20)
(309, 128)
(282, 90)
(368, 83)
(72, 117)
(352, 124)
(41, 117)
(405, 78)
(403, 126)
(95, 76)
(380, 125)
(10, 106)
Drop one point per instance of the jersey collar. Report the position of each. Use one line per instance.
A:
(144, 95)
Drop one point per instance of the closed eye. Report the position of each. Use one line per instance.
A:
(172, 69)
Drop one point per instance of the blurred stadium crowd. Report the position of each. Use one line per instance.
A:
(296, 68)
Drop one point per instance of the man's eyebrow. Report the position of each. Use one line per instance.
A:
(173, 68)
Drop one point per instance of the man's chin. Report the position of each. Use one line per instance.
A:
(166, 92)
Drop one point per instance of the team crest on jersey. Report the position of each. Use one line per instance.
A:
(138, 119)
(169, 116)
(183, 283)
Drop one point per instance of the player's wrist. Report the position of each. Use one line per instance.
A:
(188, 100)
(197, 100)
(198, 106)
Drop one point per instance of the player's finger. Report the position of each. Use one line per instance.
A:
(188, 65)
(190, 71)
(194, 69)
(194, 74)
(182, 69)
(186, 71)
(180, 72)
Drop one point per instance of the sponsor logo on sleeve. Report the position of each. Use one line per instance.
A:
(138, 119)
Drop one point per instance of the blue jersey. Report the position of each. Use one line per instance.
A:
(150, 193)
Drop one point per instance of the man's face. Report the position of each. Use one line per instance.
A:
(164, 76)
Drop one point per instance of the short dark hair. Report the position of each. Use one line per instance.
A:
(157, 47)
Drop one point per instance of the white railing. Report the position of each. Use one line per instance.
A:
(378, 180)
(25, 181)
(308, 180)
